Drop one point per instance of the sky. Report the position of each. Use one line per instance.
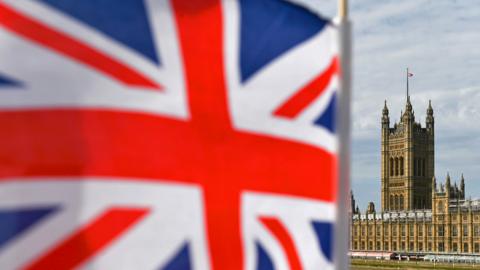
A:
(439, 40)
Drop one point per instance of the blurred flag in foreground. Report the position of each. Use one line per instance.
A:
(154, 134)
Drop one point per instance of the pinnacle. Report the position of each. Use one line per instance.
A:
(430, 109)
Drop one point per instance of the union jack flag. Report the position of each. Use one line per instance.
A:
(182, 134)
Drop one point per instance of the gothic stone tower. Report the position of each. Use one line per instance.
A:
(407, 161)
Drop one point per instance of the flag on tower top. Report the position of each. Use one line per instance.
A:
(177, 134)
(410, 74)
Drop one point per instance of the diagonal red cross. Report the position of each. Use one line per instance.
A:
(205, 151)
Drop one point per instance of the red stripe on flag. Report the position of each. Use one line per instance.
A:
(296, 104)
(87, 242)
(72, 48)
(70, 142)
(282, 235)
(200, 31)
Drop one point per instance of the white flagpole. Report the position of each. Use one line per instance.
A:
(342, 232)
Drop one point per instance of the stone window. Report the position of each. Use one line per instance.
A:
(401, 202)
(370, 230)
(394, 230)
(385, 246)
(391, 166)
(419, 170)
(378, 230)
(420, 230)
(441, 231)
(363, 230)
(401, 165)
(423, 167)
(378, 246)
(403, 230)
(477, 248)
(440, 208)
(441, 247)
(429, 228)
(454, 230)
(403, 245)
(420, 167)
(465, 230)
(476, 230)
(415, 168)
(394, 245)
(411, 247)
(355, 245)
(362, 245)
(396, 167)
(420, 246)
(429, 246)
(465, 247)
(370, 245)
(410, 230)
(385, 230)
(454, 247)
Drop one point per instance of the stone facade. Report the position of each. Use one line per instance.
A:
(416, 215)
(407, 164)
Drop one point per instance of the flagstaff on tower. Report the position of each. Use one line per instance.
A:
(408, 76)
(407, 82)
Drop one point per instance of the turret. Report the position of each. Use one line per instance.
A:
(434, 185)
(352, 202)
(371, 208)
(462, 187)
(447, 185)
(429, 121)
(408, 116)
(385, 117)
(408, 106)
(385, 147)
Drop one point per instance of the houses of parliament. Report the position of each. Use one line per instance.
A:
(418, 213)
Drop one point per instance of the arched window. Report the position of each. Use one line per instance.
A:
(440, 207)
(419, 167)
(396, 166)
(423, 167)
(415, 167)
(401, 202)
(392, 206)
(396, 202)
(401, 165)
(391, 166)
